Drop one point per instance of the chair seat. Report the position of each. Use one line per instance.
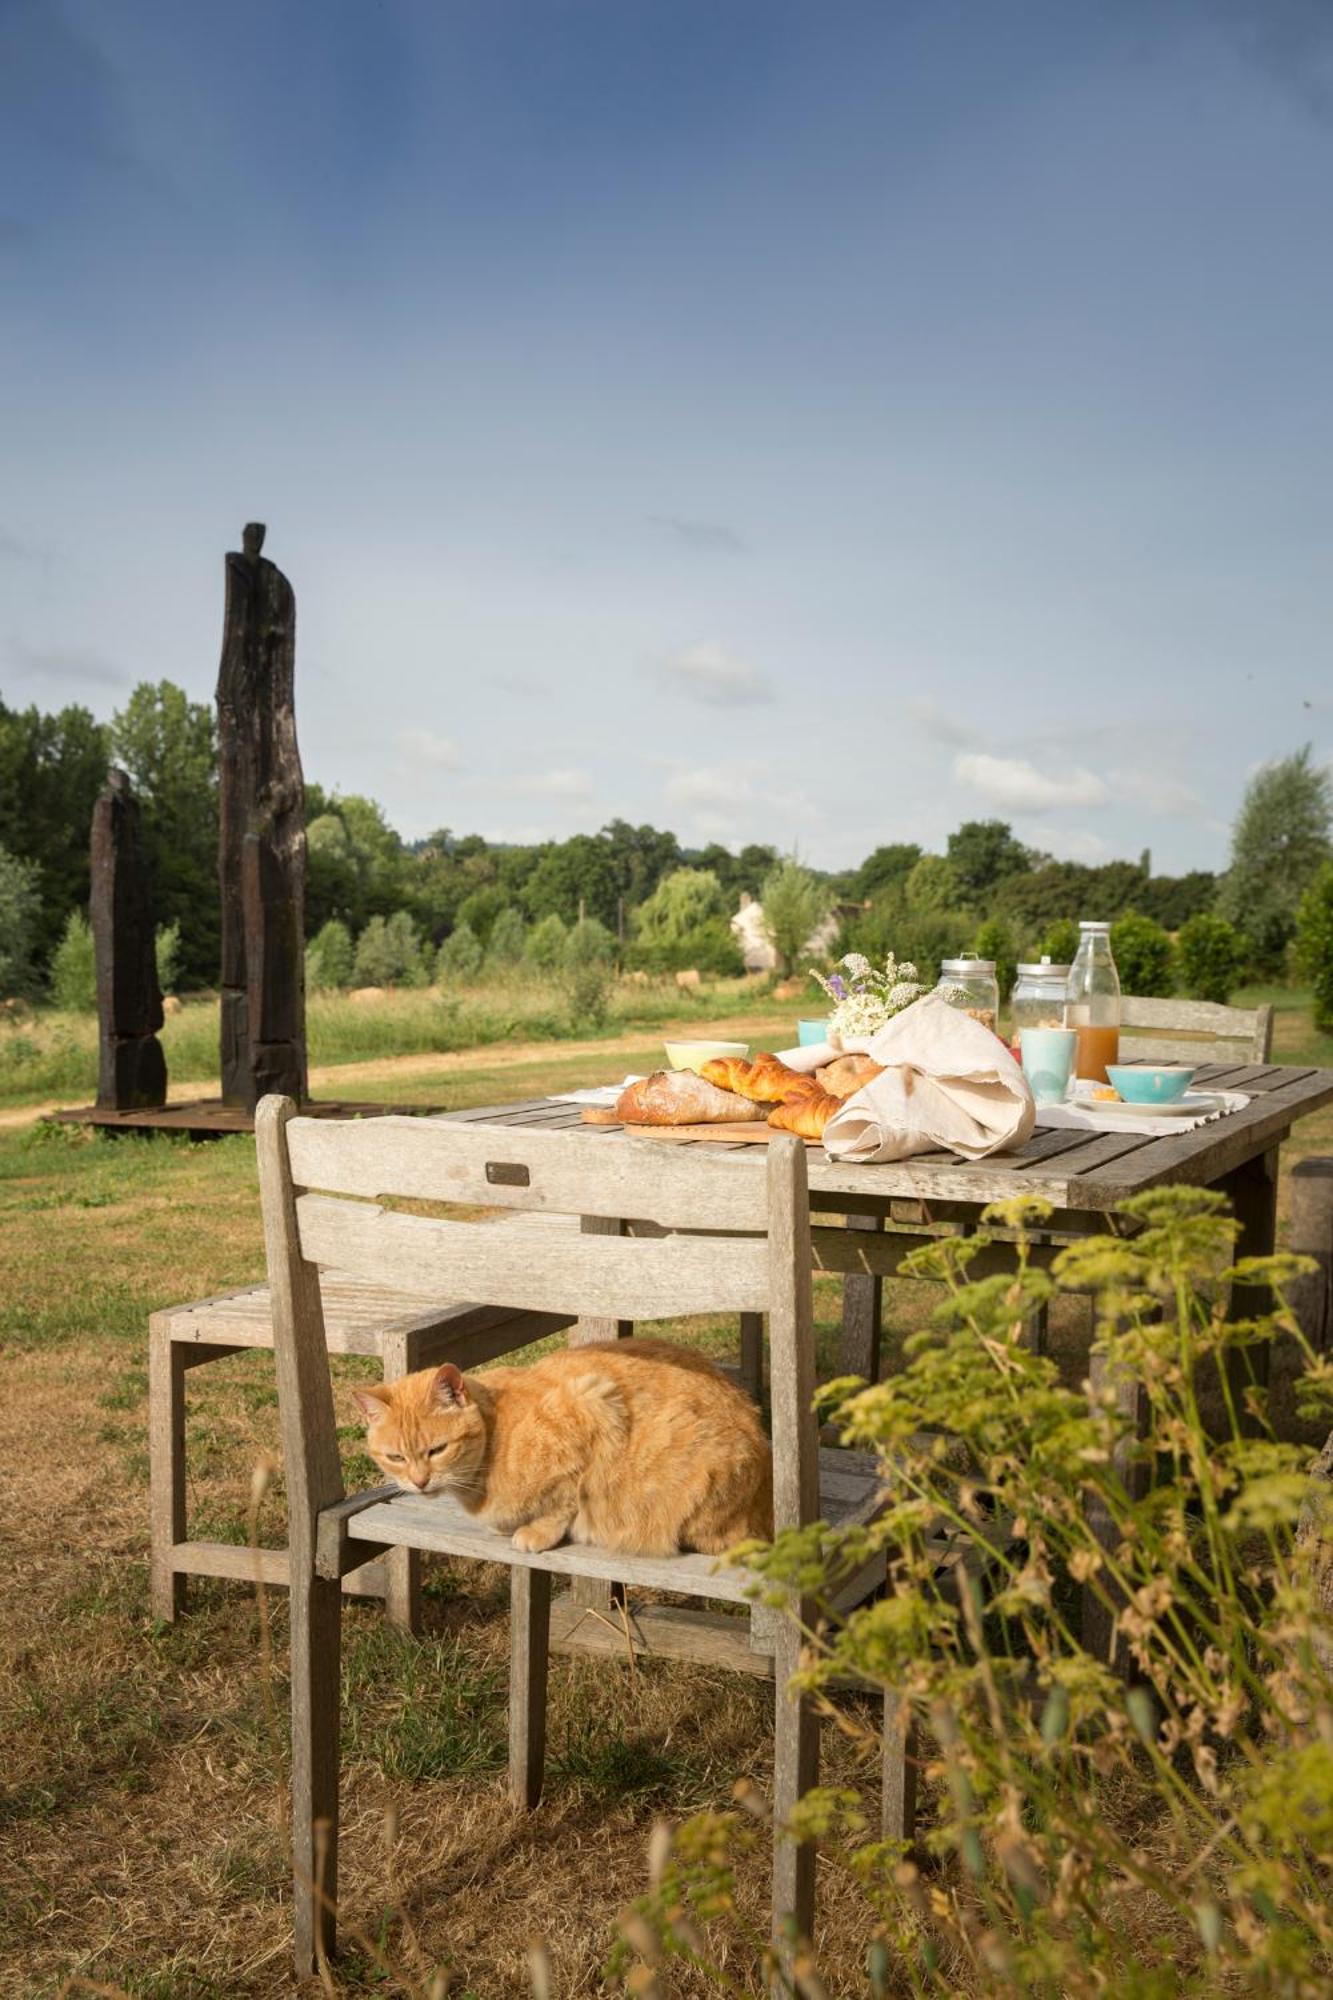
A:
(849, 1492)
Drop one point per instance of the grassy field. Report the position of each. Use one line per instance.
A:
(140, 1846)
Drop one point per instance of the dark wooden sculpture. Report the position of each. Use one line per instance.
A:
(132, 1070)
(261, 844)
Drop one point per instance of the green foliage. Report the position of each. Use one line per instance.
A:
(1280, 841)
(1058, 890)
(329, 958)
(887, 868)
(73, 972)
(167, 956)
(1174, 899)
(982, 852)
(1161, 1832)
(932, 887)
(795, 904)
(388, 953)
(460, 957)
(685, 923)
(1143, 957)
(480, 910)
(1211, 956)
(1314, 941)
(168, 744)
(546, 943)
(51, 770)
(994, 939)
(588, 985)
(1059, 941)
(20, 911)
(508, 938)
(589, 943)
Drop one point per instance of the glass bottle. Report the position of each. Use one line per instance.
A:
(1093, 1009)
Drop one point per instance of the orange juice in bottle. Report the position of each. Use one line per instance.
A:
(1093, 1009)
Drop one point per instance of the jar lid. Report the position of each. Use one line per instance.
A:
(1084, 925)
(1043, 971)
(967, 964)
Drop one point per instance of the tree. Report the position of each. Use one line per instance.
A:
(20, 910)
(1280, 841)
(168, 744)
(994, 939)
(1211, 954)
(1314, 943)
(51, 770)
(508, 937)
(546, 943)
(459, 958)
(932, 886)
(571, 876)
(795, 904)
(167, 956)
(683, 924)
(1059, 941)
(887, 868)
(480, 909)
(73, 971)
(329, 958)
(388, 953)
(983, 852)
(1143, 957)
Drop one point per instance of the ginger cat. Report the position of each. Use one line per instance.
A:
(633, 1445)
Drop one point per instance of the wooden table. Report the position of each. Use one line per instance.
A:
(890, 1210)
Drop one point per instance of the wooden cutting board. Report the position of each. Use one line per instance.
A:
(748, 1131)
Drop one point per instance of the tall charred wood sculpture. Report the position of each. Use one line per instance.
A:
(131, 1070)
(261, 844)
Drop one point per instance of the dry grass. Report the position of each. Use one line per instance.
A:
(139, 1844)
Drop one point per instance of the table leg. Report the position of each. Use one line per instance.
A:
(1252, 1192)
(1131, 1398)
(862, 1306)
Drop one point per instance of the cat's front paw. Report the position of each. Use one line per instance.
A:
(534, 1536)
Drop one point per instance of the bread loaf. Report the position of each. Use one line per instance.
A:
(679, 1097)
(847, 1074)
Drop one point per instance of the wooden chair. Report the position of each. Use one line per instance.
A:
(1194, 1031)
(761, 1265)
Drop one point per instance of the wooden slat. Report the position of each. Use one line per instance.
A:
(659, 1631)
(603, 1276)
(437, 1523)
(439, 1160)
(1203, 1156)
(231, 1559)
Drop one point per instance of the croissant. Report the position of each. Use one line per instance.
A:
(805, 1116)
(848, 1074)
(765, 1080)
(679, 1097)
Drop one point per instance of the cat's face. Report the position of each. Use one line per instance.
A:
(424, 1431)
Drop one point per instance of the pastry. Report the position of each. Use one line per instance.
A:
(806, 1116)
(765, 1080)
(679, 1097)
(847, 1074)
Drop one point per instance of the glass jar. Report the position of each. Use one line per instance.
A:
(1093, 1003)
(1038, 998)
(970, 983)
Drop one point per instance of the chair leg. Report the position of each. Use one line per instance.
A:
(400, 1355)
(897, 1774)
(529, 1654)
(166, 1469)
(316, 1629)
(752, 1355)
(795, 1770)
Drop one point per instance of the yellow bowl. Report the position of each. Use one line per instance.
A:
(693, 1055)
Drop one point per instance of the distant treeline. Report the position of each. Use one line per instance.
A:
(920, 905)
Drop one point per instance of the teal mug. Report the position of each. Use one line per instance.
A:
(809, 1033)
(1047, 1055)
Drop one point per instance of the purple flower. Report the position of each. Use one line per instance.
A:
(836, 986)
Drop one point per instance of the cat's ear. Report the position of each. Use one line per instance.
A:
(450, 1390)
(371, 1403)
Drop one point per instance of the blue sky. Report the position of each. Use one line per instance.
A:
(815, 423)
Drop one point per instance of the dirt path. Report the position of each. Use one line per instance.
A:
(490, 1055)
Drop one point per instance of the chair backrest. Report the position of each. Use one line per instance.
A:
(752, 1254)
(1194, 1031)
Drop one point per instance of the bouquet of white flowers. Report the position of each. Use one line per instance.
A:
(864, 997)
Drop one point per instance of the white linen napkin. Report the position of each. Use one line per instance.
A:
(948, 1082)
(1084, 1114)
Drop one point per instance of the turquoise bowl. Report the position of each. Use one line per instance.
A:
(809, 1033)
(1150, 1083)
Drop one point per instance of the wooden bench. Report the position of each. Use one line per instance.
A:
(359, 1318)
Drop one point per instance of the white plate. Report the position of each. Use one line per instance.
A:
(1194, 1104)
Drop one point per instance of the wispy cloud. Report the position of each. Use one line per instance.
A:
(1159, 794)
(1077, 844)
(565, 783)
(67, 663)
(939, 724)
(1020, 787)
(428, 748)
(709, 673)
(711, 535)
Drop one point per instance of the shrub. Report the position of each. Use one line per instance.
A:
(795, 904)
(1059, 941)
(546, 943)
(20, 913)
(684, 923)
(1211, 954)
(508, 937)
(1158, 1832)
(1143, 957)
(589, 943)
(588, 984)
(388, 953)
(167, 954)
(481, 909)
(1314, 944)
(994, 939)
(329, 958)
(73, 973)
(459, 958)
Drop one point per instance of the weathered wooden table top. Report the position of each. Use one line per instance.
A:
(1074, 1171)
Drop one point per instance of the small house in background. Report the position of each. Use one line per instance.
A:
(747, 927)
